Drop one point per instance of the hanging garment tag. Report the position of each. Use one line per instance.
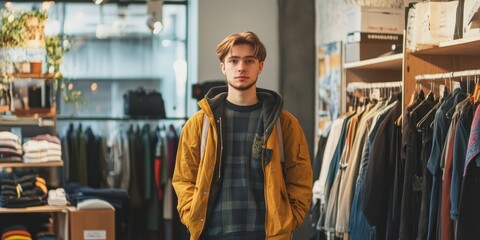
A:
(375, 94)
(455, 85)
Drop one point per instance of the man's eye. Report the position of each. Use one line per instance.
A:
(250, 61)
(233, 61)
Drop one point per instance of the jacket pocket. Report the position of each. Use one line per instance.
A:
(193, 205)
(303, 151)
(285, 204)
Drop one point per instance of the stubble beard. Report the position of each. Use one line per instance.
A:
(242, 88)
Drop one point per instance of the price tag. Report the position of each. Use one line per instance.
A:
(94, 234)
(441, 89)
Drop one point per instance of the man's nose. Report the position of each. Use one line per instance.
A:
(241, 66)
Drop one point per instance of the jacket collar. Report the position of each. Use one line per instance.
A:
(272, 104)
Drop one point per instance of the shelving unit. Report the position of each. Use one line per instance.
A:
(32, 165)
(26, 121)
(456, 55)
(39, 209)
(392, 62)
(464, 46)
(381, 69)
(33, 75)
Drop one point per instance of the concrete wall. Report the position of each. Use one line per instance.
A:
(287, 29)
(218, 18)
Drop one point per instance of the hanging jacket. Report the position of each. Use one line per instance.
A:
(197, 178)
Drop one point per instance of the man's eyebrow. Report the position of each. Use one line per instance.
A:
(242, 57)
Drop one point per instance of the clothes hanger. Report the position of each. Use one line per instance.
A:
(430, 97)
(428, 118)
(476, 92)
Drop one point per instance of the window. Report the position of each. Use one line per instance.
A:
(113, 50)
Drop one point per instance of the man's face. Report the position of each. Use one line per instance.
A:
(241, 68)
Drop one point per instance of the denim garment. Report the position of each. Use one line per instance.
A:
(440, 128)
(359, 227)
(352, 165)
(459, 154)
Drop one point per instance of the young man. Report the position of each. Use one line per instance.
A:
(250, 176)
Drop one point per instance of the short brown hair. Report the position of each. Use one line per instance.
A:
(225, 46)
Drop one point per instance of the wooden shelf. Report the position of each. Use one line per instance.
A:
(465, 47)
(30, 165)
(38, 209)
(26, 121)
(33, 75)
(36, 112)
(392, 62)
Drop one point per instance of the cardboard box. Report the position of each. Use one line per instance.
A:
(375, 38)
(95, 224)
(361, 51)
(375, 20)
(471, 18)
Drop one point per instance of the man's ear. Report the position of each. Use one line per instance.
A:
(260, 67)
(222, 66)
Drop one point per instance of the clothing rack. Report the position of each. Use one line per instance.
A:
(448, 75)
(363, 85)
(67, 118)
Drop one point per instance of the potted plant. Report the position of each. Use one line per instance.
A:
(56, 47)
(12, 35)
(34, 27)
(12, 29)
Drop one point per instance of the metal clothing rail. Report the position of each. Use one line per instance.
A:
(362, 85)
(448, 75)
(67, 118)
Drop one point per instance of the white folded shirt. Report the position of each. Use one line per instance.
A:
(35, 145)
(6, 135)
(56, 197)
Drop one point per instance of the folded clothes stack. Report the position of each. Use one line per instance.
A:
(27, 191)
(10, 148)
(16, 232)
(42, 148)
(57, 197)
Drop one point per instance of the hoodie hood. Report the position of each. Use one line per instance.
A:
(272, 104)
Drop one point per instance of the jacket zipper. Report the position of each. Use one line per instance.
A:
(221, 149)
(264, 146)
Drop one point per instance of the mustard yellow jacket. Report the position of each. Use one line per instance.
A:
(287, 189)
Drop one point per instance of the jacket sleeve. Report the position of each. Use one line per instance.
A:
(186, 166)
(298, 168)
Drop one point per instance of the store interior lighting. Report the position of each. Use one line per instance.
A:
(154, 11)
(98, 2)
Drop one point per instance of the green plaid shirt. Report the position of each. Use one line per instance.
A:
(239, 210)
